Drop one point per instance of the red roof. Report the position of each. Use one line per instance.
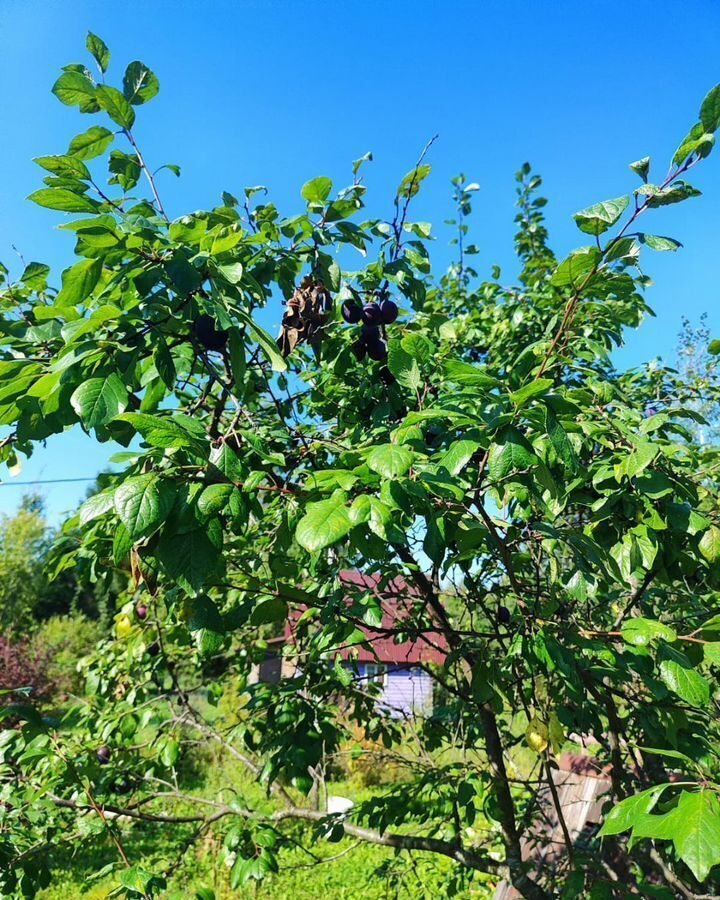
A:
(397, 600)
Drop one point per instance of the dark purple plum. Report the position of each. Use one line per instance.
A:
(377, 350)
(141, 611)
(359, 348)
(371, 314)
(370, 333)
(123, 786)
(103, 754)
(503, 615)
(208, 334)
(386, 376)
(388, 311)
(351, 312)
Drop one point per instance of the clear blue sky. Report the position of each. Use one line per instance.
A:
(261, 92)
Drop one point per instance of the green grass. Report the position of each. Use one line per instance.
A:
(367, 871)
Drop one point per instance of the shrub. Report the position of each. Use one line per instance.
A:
(24, 668)
(62, 641)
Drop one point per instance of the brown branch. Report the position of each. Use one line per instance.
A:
(387, 839)
(559, 811)
(493, 744)
(148, 173)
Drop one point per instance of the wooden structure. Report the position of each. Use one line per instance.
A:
(580, 784)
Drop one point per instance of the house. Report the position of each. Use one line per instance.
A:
(399, 668)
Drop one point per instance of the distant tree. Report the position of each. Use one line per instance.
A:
(24, 543)
(699, 369)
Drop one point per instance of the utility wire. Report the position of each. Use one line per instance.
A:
(43, 481)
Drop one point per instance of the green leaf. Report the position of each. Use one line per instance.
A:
(215, 497)
(404, 366)
(91, 143)
(99, 50)
(140, 84)
(268, 612)
(166, 432)
(640, 458)
(710, 109)
(639, 632)
(656, 242)
(324, 523)
(435, 543)
(266, 343)
(624, 815)
(316, 191)
(190, 557)
(410, 184)
(169, 753)
(418, 347)
(164, 363)
(95, 506)
(575, 268)
(697, 142)
(116, 106)
(390, 460)
(64, 165)
(35, 275)
(99, 400)
(329, 271)
(466, 374)
(360, 510)
(207, 625)
(696, 831)
(171, 167)
(63, 199)
(709, 545)
(678, 675)
(76, 89)
(538, 386)
(560, 441)
(641, 167)
(678, 192)
(458, 455)
(597, 218)
(511, 453)
(232, 272)
(143, 503)
(78, 282)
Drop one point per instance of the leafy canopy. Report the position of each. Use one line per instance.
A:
(553, 519)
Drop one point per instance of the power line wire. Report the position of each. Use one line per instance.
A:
(43, 481)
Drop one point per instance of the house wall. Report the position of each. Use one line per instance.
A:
(406, 691)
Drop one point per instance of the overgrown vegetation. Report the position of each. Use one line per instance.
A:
(549, 521)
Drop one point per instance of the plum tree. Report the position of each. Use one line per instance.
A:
(522, 476)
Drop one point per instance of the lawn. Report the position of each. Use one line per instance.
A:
(352, 869)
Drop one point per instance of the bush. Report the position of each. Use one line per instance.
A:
(367, 762)
(24, 668)
(62, 641)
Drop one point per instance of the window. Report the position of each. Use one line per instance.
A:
(376, 673)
